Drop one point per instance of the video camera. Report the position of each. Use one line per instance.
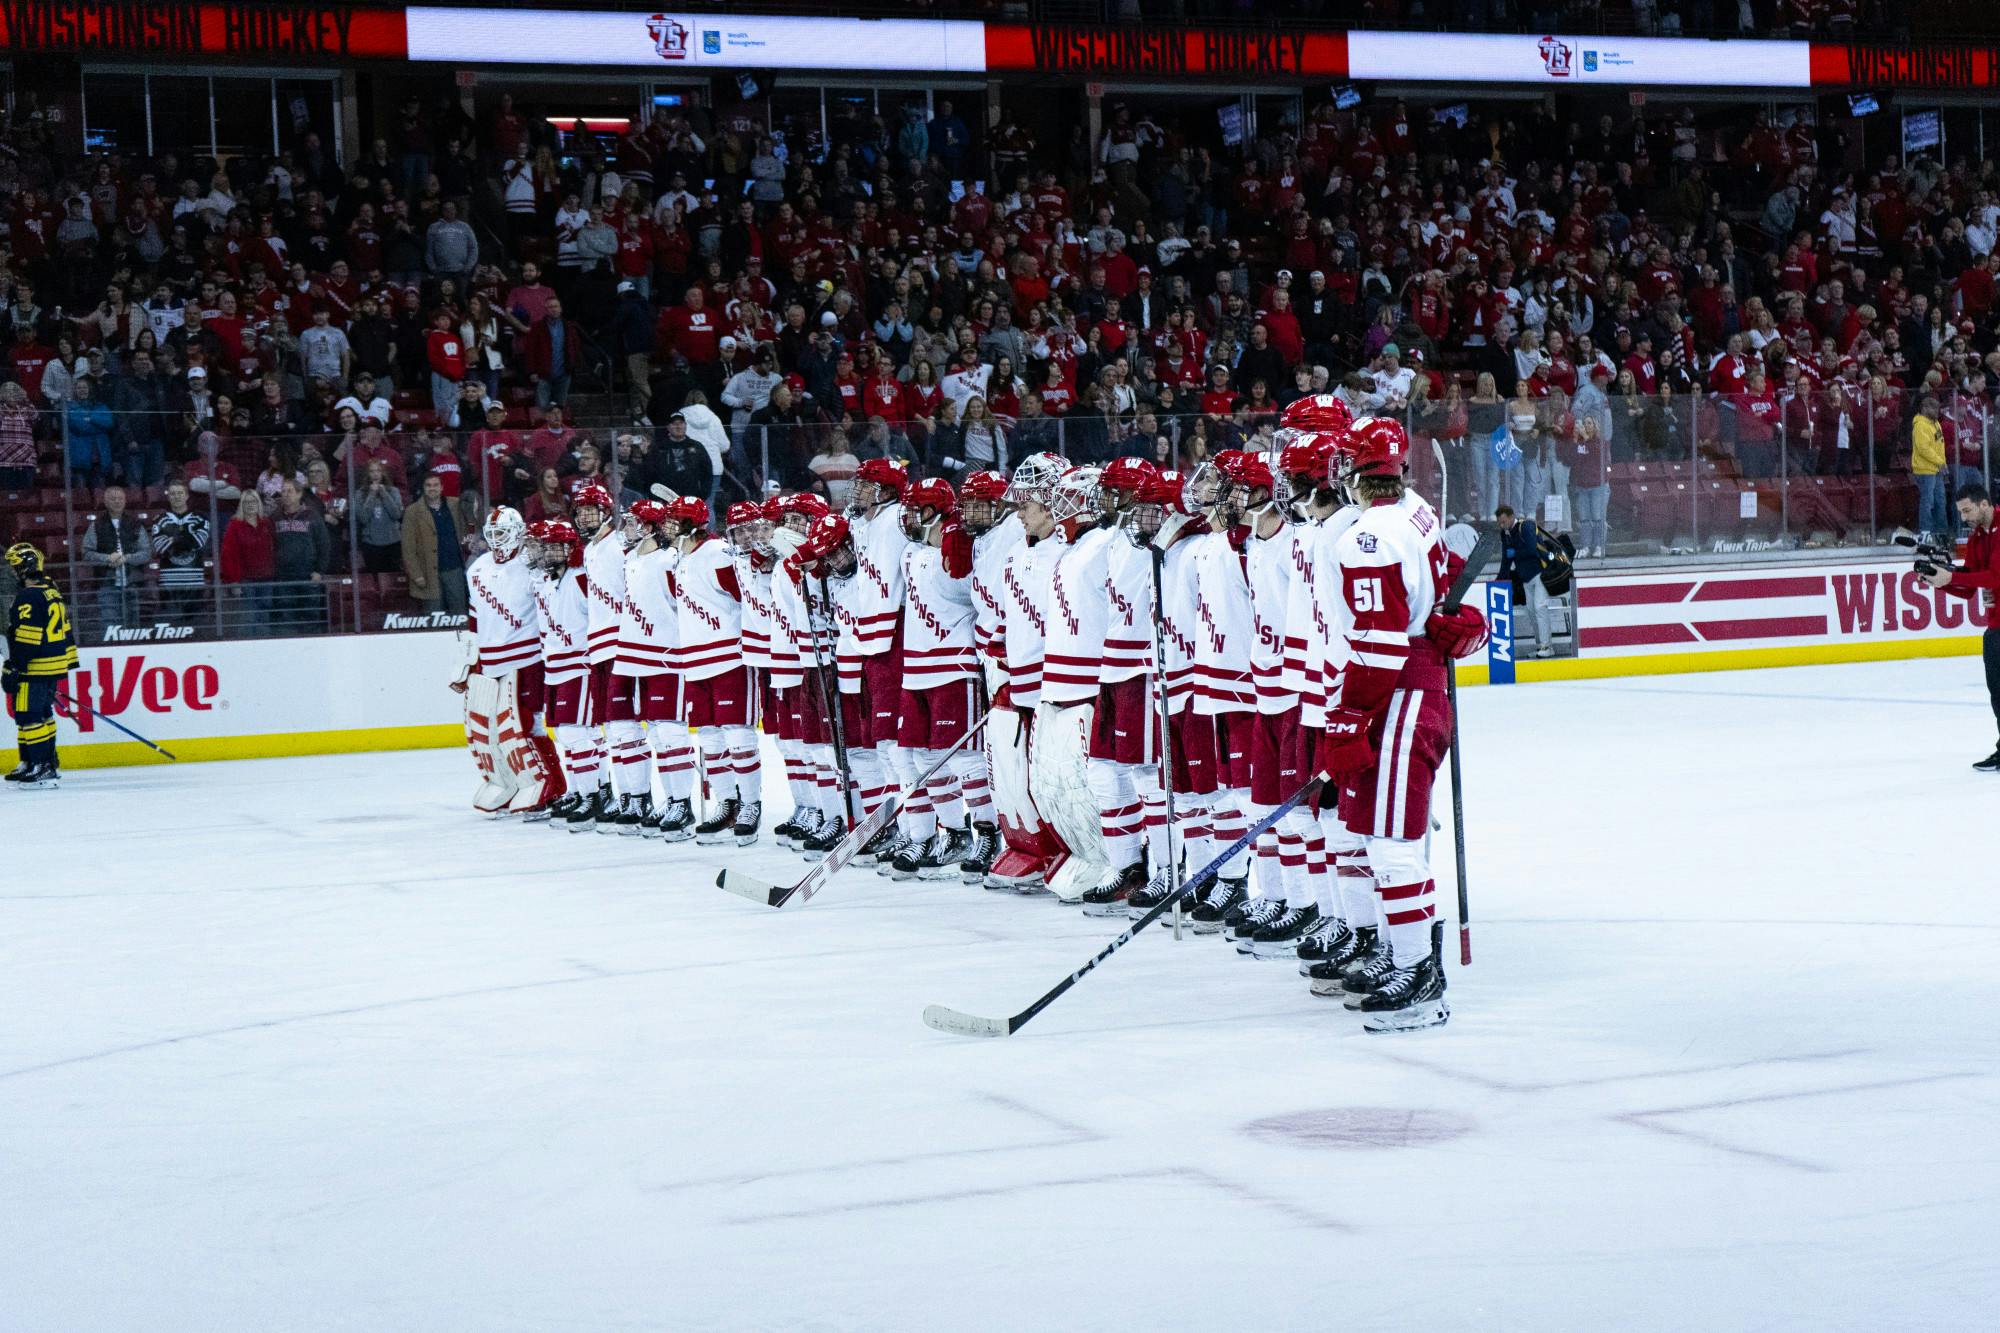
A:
(1930, 557)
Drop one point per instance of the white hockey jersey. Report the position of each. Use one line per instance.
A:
(1223, 629)
(990, 553)
(565, 614)
(710, 606)
(1271, 574)
(506, 625)
(1392, 567)
(1078, 610)
(756, 585)
(1023, 625)
(878, 580)
(1128, 627)
(652, 630)
(843, 602)
(1325, 655)
(1181, 622)
(791, 644)
(937, 622)
(604, 581)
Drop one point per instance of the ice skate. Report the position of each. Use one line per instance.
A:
(1990, 764)
(621, 816)
(591, 809)
(984, 845)
(1363, 976)
(824, 838)
(908, 858)
(718, 827)
(40, 777)
(1327, 936)
(1252, 916)
(947, 855)
(677, 820)
(560, 809)
(1279, 938)
(1223, 896)
(876, 846)
(1347, 949)
(1406, 999)
(786, 835)
(1109, 895)
(748, 816)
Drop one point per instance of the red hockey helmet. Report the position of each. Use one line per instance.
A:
(559, 533)
(743, 511)
(650, 512)
(595, 495)
(983, 486)
(829, 534)
(931, 493)
(1317, 412)
(1309, 455)
(883, 472)
(1165, 488)
(1377, 446)
(772, 510)
(1127, 477)
(1246, 470)
(801, 511)
(690, 511)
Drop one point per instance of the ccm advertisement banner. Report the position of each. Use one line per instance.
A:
(260, 698)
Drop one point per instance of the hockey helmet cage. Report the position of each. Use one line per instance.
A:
(504, 532)
(1035, 479)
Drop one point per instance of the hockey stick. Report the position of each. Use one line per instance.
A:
(1166, 730)
(1475, 564)
(971, 1025)
(64, 700)
(829, 694)
(777, 895)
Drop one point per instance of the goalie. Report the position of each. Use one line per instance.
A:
(502, 678)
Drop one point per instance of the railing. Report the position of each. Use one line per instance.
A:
(1700, 477)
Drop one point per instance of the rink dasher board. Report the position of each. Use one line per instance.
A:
(1667, 622)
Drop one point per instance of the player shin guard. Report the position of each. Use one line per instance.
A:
(871, 783)
(1152, 813)
(970, 766)
(746, 761)
(1407, 895)
(579, 758)
(1268, 881)
(627, 745)
(1196, 832)
(946, 796)
(673, 760)
(1118, 811)
(1229, 827)
(1293, 858)
(715, 763)
(1317, 879)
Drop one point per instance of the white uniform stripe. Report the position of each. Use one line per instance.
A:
(1394, 745)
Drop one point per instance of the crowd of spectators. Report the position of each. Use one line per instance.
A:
(300, 368)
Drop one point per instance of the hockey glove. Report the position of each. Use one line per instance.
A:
(955, 545)
(10, 680)
(1460, 634)
(1344, 747)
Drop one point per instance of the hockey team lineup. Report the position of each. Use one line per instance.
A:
(1224, 696)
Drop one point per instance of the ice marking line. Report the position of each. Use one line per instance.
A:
(1692, 693)
(1194, 1175)
(1645, 1119)
(1070, 1136)
(287, 1020)
(1502, 1085)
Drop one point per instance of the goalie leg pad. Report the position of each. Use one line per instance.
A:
(1061, 791)
(483, 705)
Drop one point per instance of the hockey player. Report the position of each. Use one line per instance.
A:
(556, 553)
(996, 535)
(646, 656)
(1022, 642)
(715, 684)
(875, 533)
(940, 685)
(1158, 520)
(41, 651)
(614, 698)
(502, 678)
(1076, 612)
(1124, 735)
(1390, 722)
(1224, 691)
(798, 683)
(829, 555)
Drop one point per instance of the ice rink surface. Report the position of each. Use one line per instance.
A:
(303, 1044)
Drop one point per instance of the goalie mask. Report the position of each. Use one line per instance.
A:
(1077, 499)
(1035, 480)
(505, 533)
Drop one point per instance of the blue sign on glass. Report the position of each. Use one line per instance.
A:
(1500, 639)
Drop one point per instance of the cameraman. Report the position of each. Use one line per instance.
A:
(1980, 576)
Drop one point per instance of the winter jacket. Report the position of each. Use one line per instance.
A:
(88, 423)
(300, 545)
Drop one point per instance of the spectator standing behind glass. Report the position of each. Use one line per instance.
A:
(323, 349)
(87, 423)
(17, 438)
(451, 248)
(547, 500)
(1628, 417)
(433, 554)
(1550, 461)
(485, 353)
(379, 509)
(249, 560)
(1590, 478)
(180, 545)
(631, 334)
(115, 547)
(445, 351)
(301, 552)
(834, 465)
(1927, 466)
(552, 353)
